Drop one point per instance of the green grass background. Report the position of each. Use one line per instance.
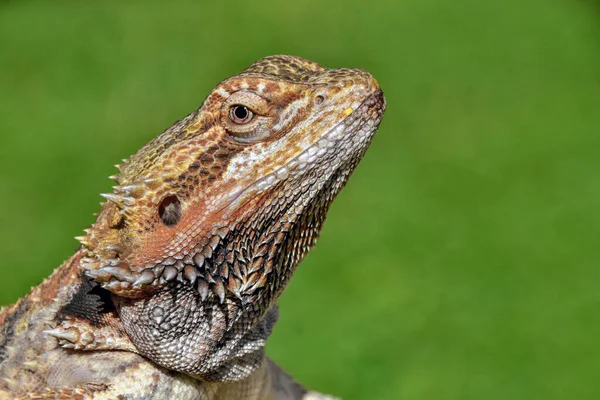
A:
(461, 261)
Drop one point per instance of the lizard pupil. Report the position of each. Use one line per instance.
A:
(240, 114)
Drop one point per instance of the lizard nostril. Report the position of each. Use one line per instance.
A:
(319, 99)
(169, 210)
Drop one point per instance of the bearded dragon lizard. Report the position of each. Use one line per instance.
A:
(172, 293)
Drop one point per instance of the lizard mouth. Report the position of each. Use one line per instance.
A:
(347, 140)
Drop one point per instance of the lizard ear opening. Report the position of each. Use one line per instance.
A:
(169, 210)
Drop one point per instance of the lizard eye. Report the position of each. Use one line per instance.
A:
(240, 114)
(246, 115)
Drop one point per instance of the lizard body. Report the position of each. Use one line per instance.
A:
(191, 251)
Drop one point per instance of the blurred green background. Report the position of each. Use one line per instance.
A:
(461, 261)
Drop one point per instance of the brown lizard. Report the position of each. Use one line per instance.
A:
(172, 293)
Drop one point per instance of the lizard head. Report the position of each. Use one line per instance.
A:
(233, 196)
(209, 220)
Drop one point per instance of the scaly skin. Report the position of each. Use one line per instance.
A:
(173, 291)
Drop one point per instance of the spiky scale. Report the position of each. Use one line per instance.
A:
(152, 183)
(84, 240)
(169, 273)
(135, 190)
(224, 270)
(219, 289)
(199, 260)
(116, 178)
(145, 278)
(234, 286)
(209, 277)
(236, 270)
(214, 242)
(262, 251)
(70, 335)
(202, 288)
(189, 273)
(115, 199)
(207, 251)
(222, 232)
